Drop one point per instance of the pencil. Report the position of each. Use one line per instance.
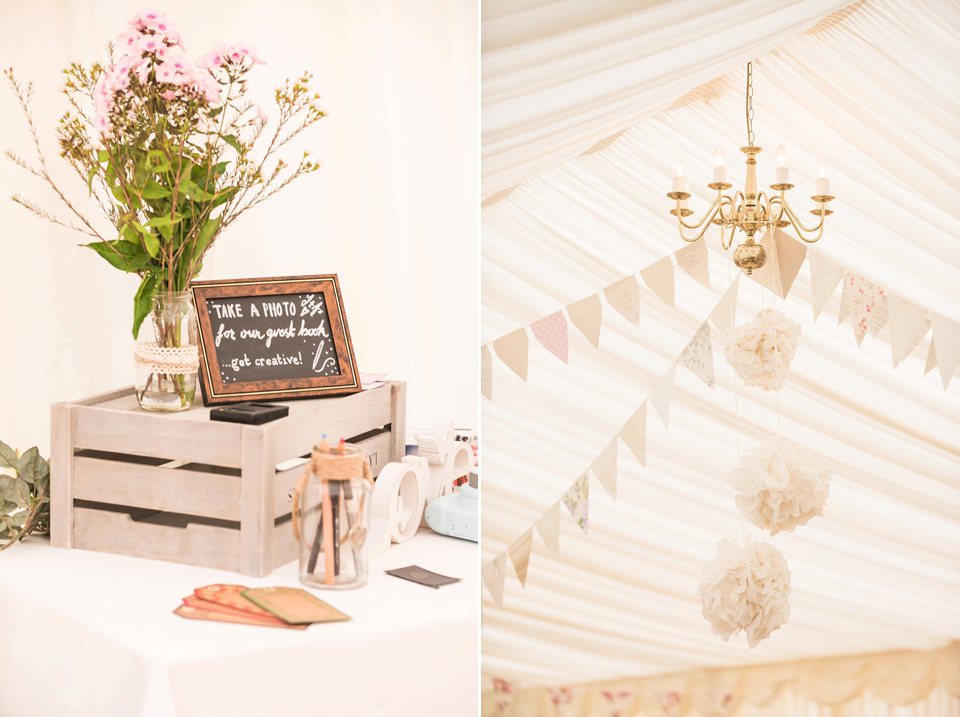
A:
(328, 534)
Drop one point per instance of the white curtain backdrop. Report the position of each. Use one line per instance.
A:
(392, 212)
(874, 95)
(559, 75)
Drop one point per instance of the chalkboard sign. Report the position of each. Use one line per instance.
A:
(273, 338)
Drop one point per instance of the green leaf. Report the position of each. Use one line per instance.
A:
(143, 301)
(152, 244)
(154, 190)
(165, 221)
(206, 236)
(128, 256)
(103, 155)
(17, 491)
(190, 189)
(232, 141)
(31, 465)
(224, 195)
(8, 456)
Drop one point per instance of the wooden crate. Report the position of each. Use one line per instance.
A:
(181, 487)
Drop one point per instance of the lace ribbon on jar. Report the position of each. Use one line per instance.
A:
(166, 359)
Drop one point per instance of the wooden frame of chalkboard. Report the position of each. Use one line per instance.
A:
(273, 339)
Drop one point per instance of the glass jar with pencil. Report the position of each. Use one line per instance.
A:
(331, 517)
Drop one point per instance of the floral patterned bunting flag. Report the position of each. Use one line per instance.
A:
(577, 500)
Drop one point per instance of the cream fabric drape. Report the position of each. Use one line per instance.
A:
(392, 211)
(903, 683)
(875, 97)
(560, 75)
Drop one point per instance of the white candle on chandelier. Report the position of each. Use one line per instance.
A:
(823, 184)
(680, 180)
(719, 170)
(783, 174)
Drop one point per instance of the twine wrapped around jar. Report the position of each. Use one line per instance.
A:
(330, 466)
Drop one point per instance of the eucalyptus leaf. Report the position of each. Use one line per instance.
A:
(31, 465)
(8, 456)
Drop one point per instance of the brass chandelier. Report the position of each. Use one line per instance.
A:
(749, 210)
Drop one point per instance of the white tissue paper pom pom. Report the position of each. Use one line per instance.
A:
(780, 485)
(746, 589)
(761, 349)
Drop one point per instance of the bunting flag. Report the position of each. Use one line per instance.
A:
(615, 702)
(492, 574)
(634, 434)
(585, 315)
(604, 467)
(863, 299)
(724, 315)
(845, 300)
(880, 316)
(659, 398)
(549, 528)
(693, 260)
(624, 296)
(947, 334)
(551, 331)
(824, 277)
(908, 326)
(486, 372)
(698, 355)
(785, 256)
(577, 500)
(519, 552)
(931, 359)
(659, 279)
(512, 350)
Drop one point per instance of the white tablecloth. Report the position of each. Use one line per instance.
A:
(86, 634)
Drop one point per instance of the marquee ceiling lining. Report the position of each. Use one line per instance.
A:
(875, 96)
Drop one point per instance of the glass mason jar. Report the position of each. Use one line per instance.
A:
(166, 356)
(332, 518)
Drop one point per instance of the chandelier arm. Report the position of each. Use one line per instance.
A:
(726, 200)
(800, 228)
(706, 218)
(705, 221)
(779, 201)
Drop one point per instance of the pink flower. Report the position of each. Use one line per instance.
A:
(240, 51)
(168, 73)
(262, 114)
(169, 95)
(102, 124)
(179, 61)
(213, 58)
(149, 43)
(129, 39)
(151, 14)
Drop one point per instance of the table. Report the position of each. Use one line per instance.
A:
(85, 634)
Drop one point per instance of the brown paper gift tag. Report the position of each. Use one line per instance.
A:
(230, 596)
(294, 605)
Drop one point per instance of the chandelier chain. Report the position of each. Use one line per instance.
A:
(750, 104)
